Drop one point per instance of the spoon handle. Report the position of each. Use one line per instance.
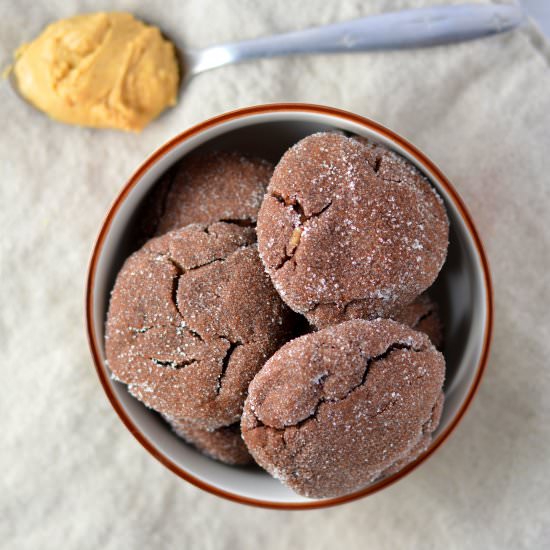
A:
(388, 31)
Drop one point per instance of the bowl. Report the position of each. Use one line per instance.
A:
(463, 291)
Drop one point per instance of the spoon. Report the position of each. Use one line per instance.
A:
(412, 28)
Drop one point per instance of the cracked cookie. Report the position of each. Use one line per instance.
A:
(347, 232)
(422, 315)
(208, 187)
(334, 410)
(224, 444)
(192, 318)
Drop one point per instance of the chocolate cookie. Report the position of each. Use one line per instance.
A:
(334, 410)
(209, 187)
(192, 318)
(422, 315)
(344, 235)
(224, 444)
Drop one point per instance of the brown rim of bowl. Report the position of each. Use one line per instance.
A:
(233, 115)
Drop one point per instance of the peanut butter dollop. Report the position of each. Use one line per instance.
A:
(105, 70)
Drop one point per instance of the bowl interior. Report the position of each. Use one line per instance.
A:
(460, 289)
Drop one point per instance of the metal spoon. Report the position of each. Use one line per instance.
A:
(413, 28)
(388, 31)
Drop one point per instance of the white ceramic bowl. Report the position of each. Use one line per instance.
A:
(463, 290)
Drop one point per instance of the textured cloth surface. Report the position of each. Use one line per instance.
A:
(74, 477)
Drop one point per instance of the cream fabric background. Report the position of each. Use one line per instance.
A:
(73, 477)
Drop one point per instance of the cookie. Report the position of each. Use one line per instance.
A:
(224, 444)
(344, 235)
(192, 318)
(422, 315)
(208, 187)
(332, 411)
